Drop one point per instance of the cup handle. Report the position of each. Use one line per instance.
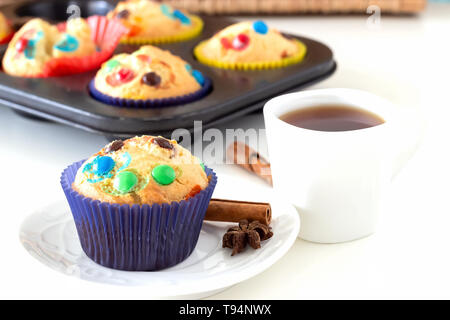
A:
(411, 134)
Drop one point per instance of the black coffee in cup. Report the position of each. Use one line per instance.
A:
(332, 118)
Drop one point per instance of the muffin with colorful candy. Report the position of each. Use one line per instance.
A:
(40, 49)
(154, 22)
(6, 31)
(148, 77)
(250, 46)
(139, 204)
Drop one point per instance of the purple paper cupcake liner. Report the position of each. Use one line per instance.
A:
(139, 237)
(150, 103)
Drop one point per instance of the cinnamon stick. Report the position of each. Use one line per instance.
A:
(249, 159)
(235, 211)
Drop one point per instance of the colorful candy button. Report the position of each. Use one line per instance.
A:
(226, 43)
(202, 165)
(21, 44)
(163, 174)
(102, 165)
(120, 77)
(175, 14)
(144, 58)
(125, 75)
(111, 64)
(125, 181)
(260, 27)
(241, 41)
(198, 76)
(68, 44)
(30, 49)
(165, 9)
(181, 16)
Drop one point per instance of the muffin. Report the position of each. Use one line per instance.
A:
(37, 42)
(153, 22)
(6, 31)
(139, 204)
(40, 49)
(249, 45)
(150, 75)
(75, 41)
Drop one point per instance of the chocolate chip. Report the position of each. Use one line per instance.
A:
(114, 146)
(124, 14)
(151, 79)
(163, 143)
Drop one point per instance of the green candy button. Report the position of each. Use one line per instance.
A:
(111, 64)
(125, 181)
(163, 174)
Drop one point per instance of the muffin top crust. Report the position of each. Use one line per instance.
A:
(148, 73)
(141, 170)
(249, 42)
(151, 19)
(37, 42)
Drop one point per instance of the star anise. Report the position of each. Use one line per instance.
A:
(252, 233)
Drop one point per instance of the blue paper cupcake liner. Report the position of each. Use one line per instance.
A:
(150, 103)
(139, 237)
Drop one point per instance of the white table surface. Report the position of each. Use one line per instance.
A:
(405, 61)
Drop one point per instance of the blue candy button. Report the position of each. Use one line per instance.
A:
(198, 76)
(102, 165)
(68, 44)
(181, 16)
(30, 50)
(165, 9)
(260, 27)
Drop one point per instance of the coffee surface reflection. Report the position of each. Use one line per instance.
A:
(332, 118)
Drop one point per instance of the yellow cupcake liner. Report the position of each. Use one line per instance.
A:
(197, 23)
(248, 66)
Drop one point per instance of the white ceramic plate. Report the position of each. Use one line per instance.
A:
(49, 235)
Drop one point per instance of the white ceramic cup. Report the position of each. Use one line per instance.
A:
(337, 180)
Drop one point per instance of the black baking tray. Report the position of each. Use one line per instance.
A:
(235, 93)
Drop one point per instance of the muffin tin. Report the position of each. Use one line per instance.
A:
(235, 93)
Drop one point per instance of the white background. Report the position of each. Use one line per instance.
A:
(406, 60)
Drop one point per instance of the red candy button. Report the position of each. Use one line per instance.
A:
(144, 58)
(120, 77)
(21, 44)
(225, 43)
(241, 41)
(125, 75)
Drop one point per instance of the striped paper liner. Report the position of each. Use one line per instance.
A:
(138, 237)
